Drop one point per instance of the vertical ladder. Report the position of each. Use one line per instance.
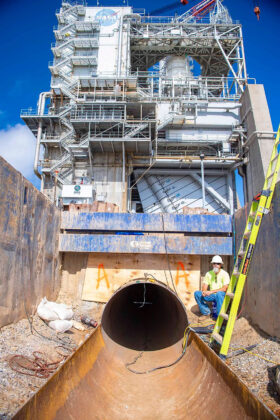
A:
(259, 207)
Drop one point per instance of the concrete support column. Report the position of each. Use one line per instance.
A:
(258, 146)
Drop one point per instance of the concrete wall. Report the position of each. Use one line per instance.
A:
(262, 300)
(108, 182)
(29, 265)
(256, 119)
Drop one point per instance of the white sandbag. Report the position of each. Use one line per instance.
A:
(61, 325)
(63, 311)
(45, 311)
(50, 311)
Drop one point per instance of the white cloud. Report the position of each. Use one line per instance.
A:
(17, 146)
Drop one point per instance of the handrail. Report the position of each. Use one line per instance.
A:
(170, 19)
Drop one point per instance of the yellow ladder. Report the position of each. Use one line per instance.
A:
(233, 295)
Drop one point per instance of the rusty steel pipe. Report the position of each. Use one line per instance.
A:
(144, 316)
(143, 330)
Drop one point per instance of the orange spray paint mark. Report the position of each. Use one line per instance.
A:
(181, 272)
(102, 275)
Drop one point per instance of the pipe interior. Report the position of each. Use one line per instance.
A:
(144, 316)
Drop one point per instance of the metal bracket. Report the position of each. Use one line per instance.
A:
(266, 193)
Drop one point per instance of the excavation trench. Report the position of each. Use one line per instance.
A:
(142, 330)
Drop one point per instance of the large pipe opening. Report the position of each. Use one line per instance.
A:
(144, 316)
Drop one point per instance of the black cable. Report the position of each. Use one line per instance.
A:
(158, 367)
(70, 345)
(166, 253)
(151, 275)
(146, 278)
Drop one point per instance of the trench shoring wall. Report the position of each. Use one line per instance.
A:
(262, 290)
(29, 264)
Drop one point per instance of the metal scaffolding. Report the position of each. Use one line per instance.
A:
(157, 91)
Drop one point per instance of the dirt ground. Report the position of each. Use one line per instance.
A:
(16, 388)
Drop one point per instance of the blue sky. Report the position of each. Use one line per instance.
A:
(26, 34)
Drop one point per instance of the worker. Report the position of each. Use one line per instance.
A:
(217, 280)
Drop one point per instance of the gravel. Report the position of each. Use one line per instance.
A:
(16, 388)
(257, 374)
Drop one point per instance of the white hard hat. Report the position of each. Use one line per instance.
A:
(217, 259)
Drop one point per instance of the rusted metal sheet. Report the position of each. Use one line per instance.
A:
(263, 280)
(203, 245)
(143, 222)
(99, 381)
(29, 225)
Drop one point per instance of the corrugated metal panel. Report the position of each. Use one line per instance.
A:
(171, 193)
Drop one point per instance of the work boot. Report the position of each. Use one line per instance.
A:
(204, 318)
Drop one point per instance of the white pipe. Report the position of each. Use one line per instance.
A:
(230, 193)
(257, 133)
(195, 162)
(41, 108)
(202, 181)
(176, 172)
(132, 16)
(160, 194)
(37, 151)
(198, 105)
(123, 167)
(237, 105)
(243, 53)
(120, 48)
(127, 16)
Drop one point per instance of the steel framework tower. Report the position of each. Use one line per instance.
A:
(143, 111)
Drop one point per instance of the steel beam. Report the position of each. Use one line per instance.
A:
(211, 191)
